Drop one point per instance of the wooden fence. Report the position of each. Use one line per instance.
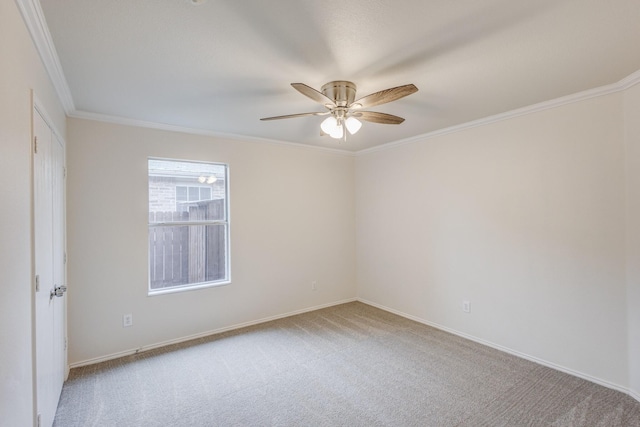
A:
(185, 254)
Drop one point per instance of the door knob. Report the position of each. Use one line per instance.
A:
(58, 291)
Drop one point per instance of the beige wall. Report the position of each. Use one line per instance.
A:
(632, 140)
(534, 220)
(524, 218)
(292, 222)
(20, 71)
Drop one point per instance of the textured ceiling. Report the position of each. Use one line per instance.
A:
(223, 64)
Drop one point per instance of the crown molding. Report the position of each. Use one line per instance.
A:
(37, 26)
(203, 132)
(34, 18)
(619, 86)
(631, 80)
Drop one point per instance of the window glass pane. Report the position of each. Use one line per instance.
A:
(205, 193)
(183, 255)
(181, 194)
(186, 191)
(194, 194)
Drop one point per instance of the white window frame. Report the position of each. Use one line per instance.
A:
(226, 222)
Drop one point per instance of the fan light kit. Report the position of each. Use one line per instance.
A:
(209, 180)
(338, 97)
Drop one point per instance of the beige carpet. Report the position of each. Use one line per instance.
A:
(349, 365)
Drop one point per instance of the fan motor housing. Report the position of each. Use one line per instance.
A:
(341, 91)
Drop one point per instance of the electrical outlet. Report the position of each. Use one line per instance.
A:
(314, 285)
(127, 320)
(466, 306)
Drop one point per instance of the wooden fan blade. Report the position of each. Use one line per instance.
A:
(291, 116)
(375, 117)
(310, 92)
(384, 96)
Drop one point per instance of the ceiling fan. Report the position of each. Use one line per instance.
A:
(338, 97)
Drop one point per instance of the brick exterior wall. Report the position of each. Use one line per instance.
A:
(162, 188)
(162, 191)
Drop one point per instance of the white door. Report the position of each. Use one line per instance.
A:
(48, 170)
(59, 268)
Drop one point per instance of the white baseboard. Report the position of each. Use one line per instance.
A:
(202, 334)
(635, 395)
(543, 362)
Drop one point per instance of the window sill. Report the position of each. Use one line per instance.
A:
(186, 288)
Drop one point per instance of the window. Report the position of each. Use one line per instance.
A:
(185, 194)
(188, 225)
